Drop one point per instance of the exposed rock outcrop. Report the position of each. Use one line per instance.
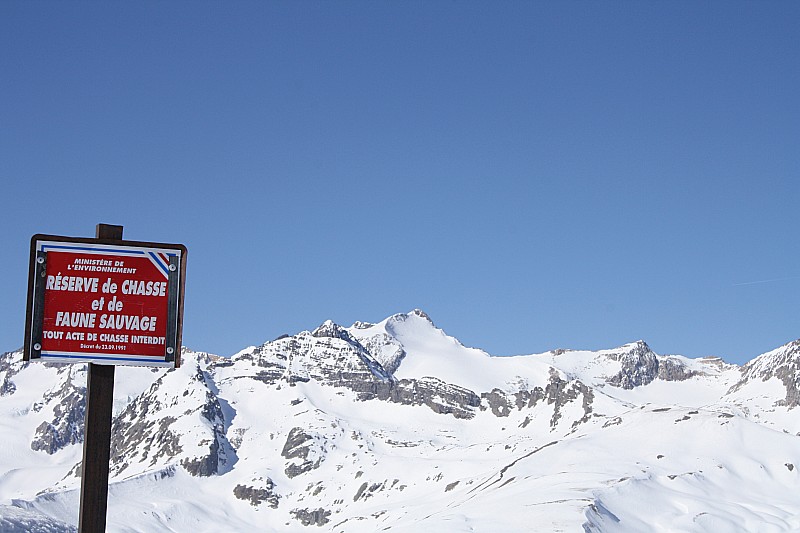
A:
(301, 451)
(68, 402)
(265, 493)
(639, 366)
(159, 427)
(782, 363)
(316, 517)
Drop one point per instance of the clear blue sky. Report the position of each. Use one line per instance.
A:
(533, 175)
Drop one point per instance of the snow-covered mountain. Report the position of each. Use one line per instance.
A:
(396, 426)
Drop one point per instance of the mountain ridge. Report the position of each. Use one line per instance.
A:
(397, 425)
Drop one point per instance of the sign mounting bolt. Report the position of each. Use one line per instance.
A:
(170, 349)
(37, 346)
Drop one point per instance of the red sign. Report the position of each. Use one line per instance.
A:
(111, 304)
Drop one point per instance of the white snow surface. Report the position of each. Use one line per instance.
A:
(429, 352)
(293, 435)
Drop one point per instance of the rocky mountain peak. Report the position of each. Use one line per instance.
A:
(638, 348)
(639, 365)
(782, 363)
(422, 314)
(634, 352)
(410, 316)
(332, 330)
(788, 354)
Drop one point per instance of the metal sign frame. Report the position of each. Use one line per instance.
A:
(170, 258)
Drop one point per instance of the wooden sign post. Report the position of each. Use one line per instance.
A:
(97, 432)
(106, 302)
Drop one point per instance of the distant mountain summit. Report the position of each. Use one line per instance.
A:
(781, 364)
(397, 426)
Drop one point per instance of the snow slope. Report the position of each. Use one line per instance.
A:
(396, 426)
